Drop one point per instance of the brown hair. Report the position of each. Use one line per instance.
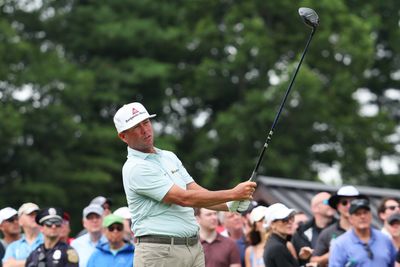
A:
(382, 205)
(197, 211)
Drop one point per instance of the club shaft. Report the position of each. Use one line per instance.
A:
(271, 131)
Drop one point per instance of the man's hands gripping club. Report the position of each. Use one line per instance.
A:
(246, 190)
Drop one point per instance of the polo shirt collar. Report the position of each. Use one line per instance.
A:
(218, 238)
(355, 238)
(136, 153)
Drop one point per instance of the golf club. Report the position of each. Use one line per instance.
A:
(310, 18)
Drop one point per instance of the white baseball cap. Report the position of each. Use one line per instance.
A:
(27, 208)
(123, 212)
(7, 213)
(258, 213)
(130, 115)
(277, 211)
(92, 208)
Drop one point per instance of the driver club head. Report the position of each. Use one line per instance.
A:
(309, 16)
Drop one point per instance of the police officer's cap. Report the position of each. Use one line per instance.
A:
(51, 214)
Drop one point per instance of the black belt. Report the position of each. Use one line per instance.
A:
(172, 240)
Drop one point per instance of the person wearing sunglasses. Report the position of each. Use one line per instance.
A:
(53, 252)
(341, 203)
(9, 227)
(18, 251)
(394, 229)
(279, 220)
(307, 234)
(387, 207)
(362, 245)
(115, 251)
(161, 195)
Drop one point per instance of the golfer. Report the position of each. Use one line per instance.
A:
(161, 195)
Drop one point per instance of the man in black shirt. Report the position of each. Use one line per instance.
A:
(53, 252)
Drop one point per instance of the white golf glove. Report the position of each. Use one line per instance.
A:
(238, 206)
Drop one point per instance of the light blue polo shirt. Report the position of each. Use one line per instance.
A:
(85, 247)
(147, 178)
(348, 250)
(20, 249)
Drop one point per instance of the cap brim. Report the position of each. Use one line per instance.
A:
(93, 212)
(284, 214)
(133, 125)
(333, 201)
(392, 221)
(367, 207)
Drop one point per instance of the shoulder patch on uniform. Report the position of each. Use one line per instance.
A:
(72, 256)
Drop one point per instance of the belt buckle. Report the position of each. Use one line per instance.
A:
(190, 241)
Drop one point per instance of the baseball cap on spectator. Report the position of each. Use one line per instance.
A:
(110, 219)
(258, 213)
(277, 211)
(7, 213)
(100, 200)
(52, 215)
(93, 208)
(395, 217)
(344, 191)
(130, 115)
(358, 203)
(27, 208)
(123, 212)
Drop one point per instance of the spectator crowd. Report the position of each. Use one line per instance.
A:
(339, 233)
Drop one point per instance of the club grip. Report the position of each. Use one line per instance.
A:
(233, 206)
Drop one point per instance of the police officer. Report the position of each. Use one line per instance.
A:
(53, 252)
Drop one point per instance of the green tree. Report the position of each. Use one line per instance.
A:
(214, 72)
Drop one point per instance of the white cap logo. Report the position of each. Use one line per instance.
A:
(130, 115)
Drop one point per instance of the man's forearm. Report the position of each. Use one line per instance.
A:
(321, 260)
(197, 196)
(201, 198)
(219, 207)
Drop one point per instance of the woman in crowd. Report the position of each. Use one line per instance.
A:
(257, 237)
(280, 220)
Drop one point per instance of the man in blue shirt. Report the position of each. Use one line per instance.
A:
(161, 193)
(362, 245)
(86, 244)
(18, 251)
(115, 252)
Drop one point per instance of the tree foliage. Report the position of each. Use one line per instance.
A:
(214, 72)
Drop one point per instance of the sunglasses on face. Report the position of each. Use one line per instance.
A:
(12, 219)
(392, 207)
(369, 251)
(287, 219)
(118, 227)
(344, 202)
(50, 224)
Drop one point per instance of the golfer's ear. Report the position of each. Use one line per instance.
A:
(121, 135)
